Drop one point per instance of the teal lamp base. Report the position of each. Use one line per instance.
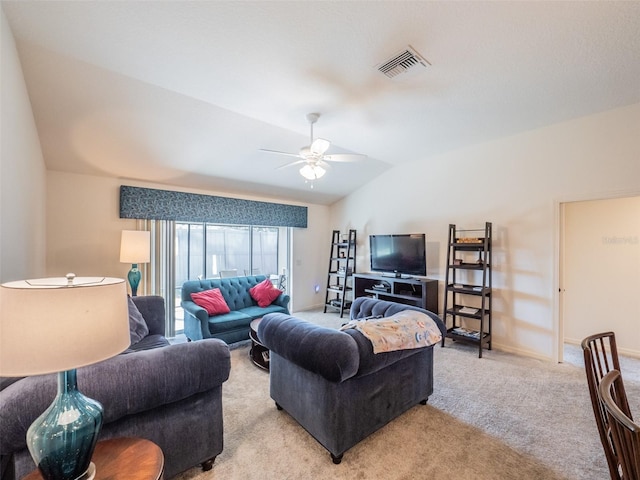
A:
(134, 276)
(62, 440)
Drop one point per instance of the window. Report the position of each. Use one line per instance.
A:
(203, 250)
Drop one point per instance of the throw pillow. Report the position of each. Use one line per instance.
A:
(138, 328)
(264, 293)
(212, 301)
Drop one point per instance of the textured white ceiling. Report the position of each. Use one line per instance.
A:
(186, 93)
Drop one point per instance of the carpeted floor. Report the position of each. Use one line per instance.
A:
(499, 417)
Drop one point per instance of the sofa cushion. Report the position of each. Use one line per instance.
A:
(138, 328)
(229, 321)
(212, 301)
(257, 312)
(264, 293)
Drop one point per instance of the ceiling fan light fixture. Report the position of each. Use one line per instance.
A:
(312, 172)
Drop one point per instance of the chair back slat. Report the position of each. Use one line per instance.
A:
(625, 434)
(601, 357)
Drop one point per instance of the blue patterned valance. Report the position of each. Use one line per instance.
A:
(151, 204)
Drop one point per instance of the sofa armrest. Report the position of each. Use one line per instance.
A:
(124, 385)
(283, 301)
(196, 321)
(153, 311)
(330, 353)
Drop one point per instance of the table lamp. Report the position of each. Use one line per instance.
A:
(135, 249)
(57, 325)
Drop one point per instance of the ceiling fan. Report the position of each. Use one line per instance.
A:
(313, 156)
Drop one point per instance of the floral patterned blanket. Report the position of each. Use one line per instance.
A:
(405, 330)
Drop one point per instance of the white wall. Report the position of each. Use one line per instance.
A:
(517, 183)
(601, 262)
(311, 247)
(83, 232)
(22, 172)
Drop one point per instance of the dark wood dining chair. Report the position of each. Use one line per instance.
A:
(601, 357)
(625, 434)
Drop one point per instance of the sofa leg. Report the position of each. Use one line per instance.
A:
(208, 464)
(278, 406)
(423, 402)
(336, 458)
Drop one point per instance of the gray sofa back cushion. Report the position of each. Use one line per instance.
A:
(333, 354)
(364, 307)
(325, 351)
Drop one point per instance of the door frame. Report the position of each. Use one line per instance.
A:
(558, 260)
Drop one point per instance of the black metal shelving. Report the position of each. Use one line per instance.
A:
(468, 285)
(342, 266)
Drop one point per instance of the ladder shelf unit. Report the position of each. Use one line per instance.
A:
(342, 266)
(468, 284)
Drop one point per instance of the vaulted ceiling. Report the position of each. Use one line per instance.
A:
(186, 93)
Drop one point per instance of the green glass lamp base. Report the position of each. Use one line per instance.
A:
(134, 277)
(62, 440)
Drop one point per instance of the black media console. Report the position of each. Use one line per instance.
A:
(421, 292)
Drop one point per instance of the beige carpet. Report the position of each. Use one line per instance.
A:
(500, 417)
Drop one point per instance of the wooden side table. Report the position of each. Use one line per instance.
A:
(123, 459)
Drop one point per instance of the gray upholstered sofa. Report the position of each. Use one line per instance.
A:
(332, 383)
(233, 326)
(171, 395)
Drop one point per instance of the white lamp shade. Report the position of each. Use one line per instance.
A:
(135, 246)
(55, 324)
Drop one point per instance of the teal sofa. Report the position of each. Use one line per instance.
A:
(231, 327)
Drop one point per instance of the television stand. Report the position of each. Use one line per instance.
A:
(420, 292)
(395, 275)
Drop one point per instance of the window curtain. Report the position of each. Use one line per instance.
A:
(160, 273)
(153, 204)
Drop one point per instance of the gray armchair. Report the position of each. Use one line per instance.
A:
(171, 395)
(333, 384)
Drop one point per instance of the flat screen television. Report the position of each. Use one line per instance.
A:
(400, 254)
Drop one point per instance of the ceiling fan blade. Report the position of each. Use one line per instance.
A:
(290, 164)
(280, 153)
(319, 146)
(344, 157)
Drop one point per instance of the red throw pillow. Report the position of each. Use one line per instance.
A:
(212, 301)
(264, 293)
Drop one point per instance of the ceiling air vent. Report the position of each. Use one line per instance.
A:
(402, 62)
